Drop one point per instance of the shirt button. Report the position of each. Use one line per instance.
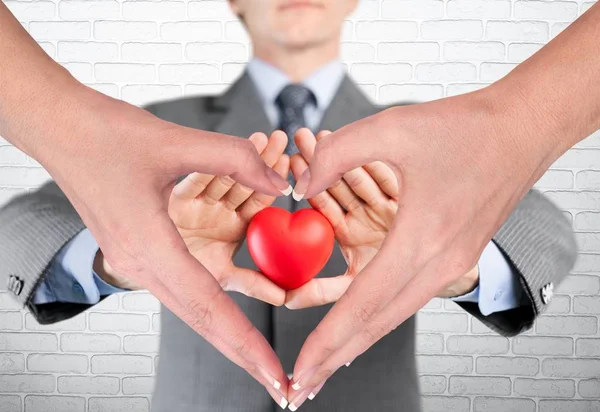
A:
(498, 294)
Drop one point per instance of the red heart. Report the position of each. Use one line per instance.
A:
(290, 249)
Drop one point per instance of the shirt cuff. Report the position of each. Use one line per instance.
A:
(499, 288)
(71, 277)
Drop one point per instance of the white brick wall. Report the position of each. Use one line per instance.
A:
(142, 51)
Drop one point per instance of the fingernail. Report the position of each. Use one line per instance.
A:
(298, 401)
(348, 364)
(292, 304)
(274, 382)
(278, 397)
(303, 378)
(279, 182)
(287, 191)
(316, 391)
(301, 186)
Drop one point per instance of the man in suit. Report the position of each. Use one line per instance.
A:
(294, 79)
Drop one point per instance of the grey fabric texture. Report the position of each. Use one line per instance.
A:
(192, 375)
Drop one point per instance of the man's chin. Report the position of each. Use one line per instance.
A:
(302, 40)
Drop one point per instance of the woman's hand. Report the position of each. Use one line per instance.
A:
(361, 208)
(212, 214)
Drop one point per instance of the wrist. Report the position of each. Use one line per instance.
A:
(30, 112)
(103, 269)
(466, 284)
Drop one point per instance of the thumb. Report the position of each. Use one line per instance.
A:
(337, 153)
(223, 155)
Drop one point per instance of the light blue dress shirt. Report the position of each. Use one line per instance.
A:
(71, 277)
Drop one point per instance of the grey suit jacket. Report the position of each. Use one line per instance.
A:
(193, 376)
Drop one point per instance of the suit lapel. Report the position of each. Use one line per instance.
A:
(243, 115)
(243, 112)
(348, 105)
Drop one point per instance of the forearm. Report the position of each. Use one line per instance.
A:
(558, 88)
(32, 85)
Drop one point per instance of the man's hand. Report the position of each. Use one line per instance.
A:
(118, 164)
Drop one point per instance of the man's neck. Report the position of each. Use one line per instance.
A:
(298, 64)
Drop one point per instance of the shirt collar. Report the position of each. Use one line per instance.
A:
(323, 82)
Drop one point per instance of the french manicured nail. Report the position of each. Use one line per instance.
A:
(316, 391)
(348, 364)
(292, 304)
(278, 397)
(301, 186)
(279, 182)
(304, 377)
(298, 401)
(274, 382)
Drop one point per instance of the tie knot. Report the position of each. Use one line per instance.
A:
(295, 96)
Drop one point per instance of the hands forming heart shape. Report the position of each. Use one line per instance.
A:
(214, 214)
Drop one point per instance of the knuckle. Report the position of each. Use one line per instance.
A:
(244, 153)
(226, 180)
(353, 179)
(337, 184)
(319, 202)
(252, 286)
(323, 374)
(373, 332)
(201, 317)
(258, 201)
(365, 311)
(320, 293)
(324, 343)
(224, 282)
(244, 346)
(354, 204)
(230, 204)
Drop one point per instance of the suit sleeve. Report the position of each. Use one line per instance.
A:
(539, 244)
(34, 228)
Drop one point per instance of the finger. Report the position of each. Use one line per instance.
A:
(361, 182)
(318, 292)
(220, 185)
(239, 193)
(363, 186)
(187, 288)
(306, 142)
(339, 152)
(371, 290)
(384, 177)
(417, 292)
(253, 284)
(192, 186)
(259, 201)
(340, 190)
(239, 159)
(196, 183)
(323, 202)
